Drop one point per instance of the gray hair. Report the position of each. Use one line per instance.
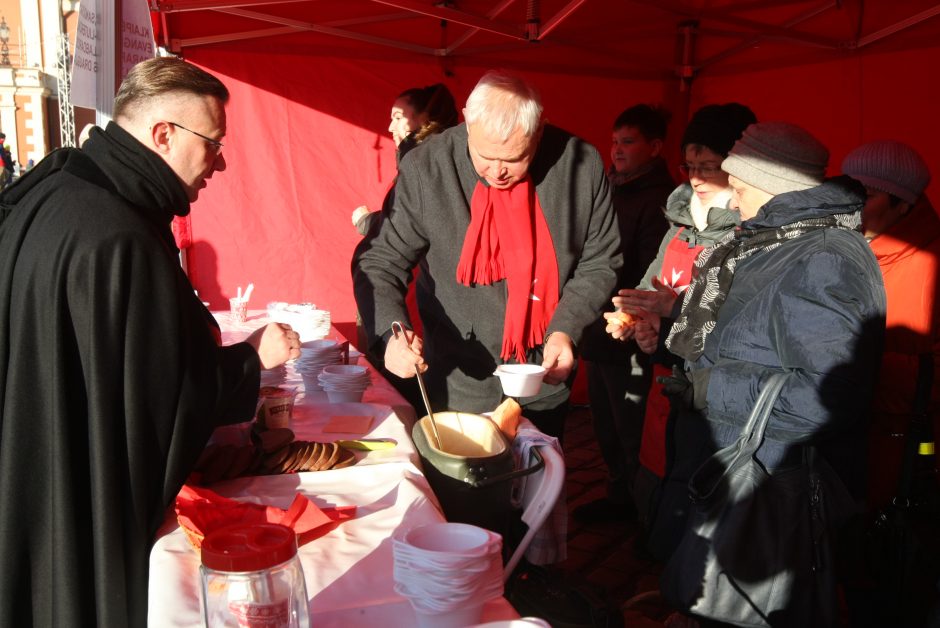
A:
(502, 102)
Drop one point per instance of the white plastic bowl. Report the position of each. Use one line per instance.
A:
(345, 370)
(343, 396)
(451, 539)
(520, 380)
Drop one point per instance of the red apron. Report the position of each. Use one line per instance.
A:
(677, 274)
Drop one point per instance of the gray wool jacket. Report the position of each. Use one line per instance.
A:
(463, 325)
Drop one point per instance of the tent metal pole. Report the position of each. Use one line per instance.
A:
(559, 17)
(459, 17)
(680, 103)
(499, 8)
(182, 6)
(759, 28)
(327, 30)
(755, 40)
(177, 45)
(898, 26)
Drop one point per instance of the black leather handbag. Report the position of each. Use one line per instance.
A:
(757, 550)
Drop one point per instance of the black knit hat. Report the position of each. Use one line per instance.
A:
(718, 127)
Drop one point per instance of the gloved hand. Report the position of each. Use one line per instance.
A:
(689, 388)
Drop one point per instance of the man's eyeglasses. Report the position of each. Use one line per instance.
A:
(217, 145)
(706, 172)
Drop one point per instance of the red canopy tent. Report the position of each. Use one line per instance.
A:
(312, 82)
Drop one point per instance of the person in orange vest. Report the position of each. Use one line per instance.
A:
(903, 229)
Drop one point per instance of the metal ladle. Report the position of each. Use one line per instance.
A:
(398, 329)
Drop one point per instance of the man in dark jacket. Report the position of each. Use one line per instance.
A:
(111, 379)
(619, 374)
(512, 221)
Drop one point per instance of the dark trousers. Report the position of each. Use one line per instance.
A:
(617, 394)
(550, 421)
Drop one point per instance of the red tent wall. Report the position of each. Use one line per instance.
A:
(846, 103)
(307, 142)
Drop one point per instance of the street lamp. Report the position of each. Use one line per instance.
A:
(4, 41)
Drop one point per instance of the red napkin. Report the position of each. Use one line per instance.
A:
(200, 511)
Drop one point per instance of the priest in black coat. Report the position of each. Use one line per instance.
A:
(111, 376)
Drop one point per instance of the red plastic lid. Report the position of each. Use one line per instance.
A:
(248, 547)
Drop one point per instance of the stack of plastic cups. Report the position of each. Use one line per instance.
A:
(344, 382)
(314, 355)
(448, 571)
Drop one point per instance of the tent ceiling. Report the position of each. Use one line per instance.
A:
(640, 39)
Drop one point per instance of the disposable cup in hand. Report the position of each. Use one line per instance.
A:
(239, 309)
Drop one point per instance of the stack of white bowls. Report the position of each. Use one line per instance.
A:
(315, 355)
(448, 571)
(344, 382)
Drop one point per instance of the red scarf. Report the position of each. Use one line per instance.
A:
(509, 239)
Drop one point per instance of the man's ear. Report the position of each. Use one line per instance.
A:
(656, 147)
(160, 137)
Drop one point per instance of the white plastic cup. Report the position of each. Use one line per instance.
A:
(238, 309)
(311, 383)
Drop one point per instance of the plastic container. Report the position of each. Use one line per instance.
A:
(520, 380)
(252, 578)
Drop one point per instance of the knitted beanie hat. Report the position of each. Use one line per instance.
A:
(777, 157)
(717, 127)
(889, 166)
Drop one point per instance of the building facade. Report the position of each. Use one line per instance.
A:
(29, 87)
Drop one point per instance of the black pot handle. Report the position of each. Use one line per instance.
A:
(473, 472)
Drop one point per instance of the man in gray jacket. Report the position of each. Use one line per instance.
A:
(511, 220)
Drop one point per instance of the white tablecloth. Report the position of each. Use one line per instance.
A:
(349, 570)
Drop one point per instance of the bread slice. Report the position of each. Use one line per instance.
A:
(506, 416)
